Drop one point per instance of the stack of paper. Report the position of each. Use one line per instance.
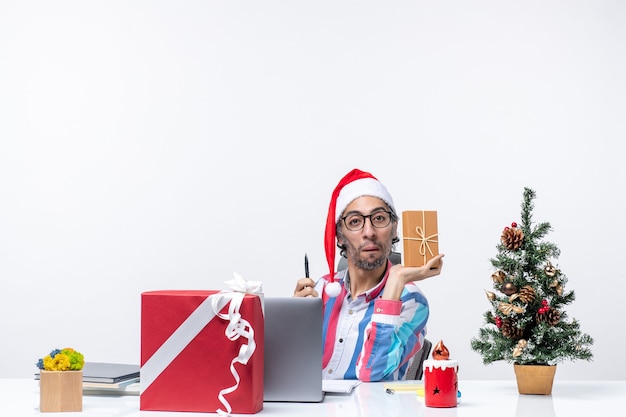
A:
(339, 386)
(110, 378)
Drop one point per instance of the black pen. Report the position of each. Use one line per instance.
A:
(306, 266)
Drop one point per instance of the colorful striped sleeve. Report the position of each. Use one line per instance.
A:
(395, 331)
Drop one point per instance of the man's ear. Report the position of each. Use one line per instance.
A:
(395, 238)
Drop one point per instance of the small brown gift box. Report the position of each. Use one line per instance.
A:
(420, 236)
(60, 391)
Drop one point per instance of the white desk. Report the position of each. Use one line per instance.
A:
(20, 397)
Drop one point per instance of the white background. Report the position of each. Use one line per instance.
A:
(152, 145)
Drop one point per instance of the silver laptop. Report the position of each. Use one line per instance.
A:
(293, 349)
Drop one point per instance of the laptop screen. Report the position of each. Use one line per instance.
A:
(293, 349)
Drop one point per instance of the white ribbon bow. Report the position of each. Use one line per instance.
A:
(237, 327)
(242, 285)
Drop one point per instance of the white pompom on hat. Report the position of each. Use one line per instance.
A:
(353, 185)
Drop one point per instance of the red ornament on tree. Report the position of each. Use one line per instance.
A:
(498, 322)
(513, 224)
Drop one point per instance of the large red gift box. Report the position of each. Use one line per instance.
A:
(193, 359)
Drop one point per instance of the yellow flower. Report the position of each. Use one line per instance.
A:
(67, 359)
(60, 362)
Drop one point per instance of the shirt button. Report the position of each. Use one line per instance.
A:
(379, 310)
(340, 340)
(330, 371)
(350, 312)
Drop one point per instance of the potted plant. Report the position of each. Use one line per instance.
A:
(527, 324)
(61, 381)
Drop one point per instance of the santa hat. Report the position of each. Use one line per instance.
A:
(353, 185)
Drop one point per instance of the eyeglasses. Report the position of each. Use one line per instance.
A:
(356, 221)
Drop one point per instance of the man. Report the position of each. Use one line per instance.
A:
(374, 314)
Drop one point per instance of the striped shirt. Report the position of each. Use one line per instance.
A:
(369, 338)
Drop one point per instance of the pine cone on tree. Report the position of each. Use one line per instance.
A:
(526, 294)
(550, 316)
(510, 330)
(512, 238)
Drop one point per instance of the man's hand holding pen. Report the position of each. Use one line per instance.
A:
(305, 287)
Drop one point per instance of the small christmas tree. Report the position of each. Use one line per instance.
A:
(527, 323)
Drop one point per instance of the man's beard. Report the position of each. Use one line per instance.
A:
(367, 265)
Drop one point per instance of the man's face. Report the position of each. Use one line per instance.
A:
(369, 247)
